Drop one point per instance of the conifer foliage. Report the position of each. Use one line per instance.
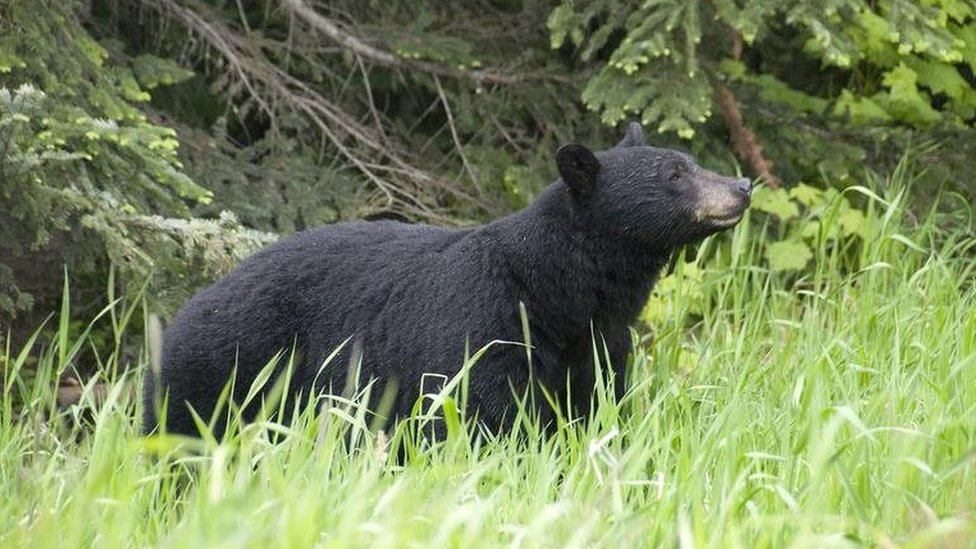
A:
(844, 69)
(86, 178)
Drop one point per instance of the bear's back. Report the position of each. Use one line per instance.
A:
(320, 270)
(309, 292)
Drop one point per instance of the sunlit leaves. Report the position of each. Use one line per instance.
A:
(900, 54)
(788, 255)
(776, 202)
(905, 100)
(653, 73)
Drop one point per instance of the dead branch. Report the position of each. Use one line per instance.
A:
(745, 143)
(454, 134)
(273, 88)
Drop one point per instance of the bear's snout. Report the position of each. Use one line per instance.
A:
(743, 185)
(721, 200)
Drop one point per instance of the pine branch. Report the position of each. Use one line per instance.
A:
(354, 44)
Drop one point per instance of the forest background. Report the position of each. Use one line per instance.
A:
(150, 145)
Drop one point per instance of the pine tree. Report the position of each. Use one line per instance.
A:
(85, 176)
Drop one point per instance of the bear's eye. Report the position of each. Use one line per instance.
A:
(675, 174)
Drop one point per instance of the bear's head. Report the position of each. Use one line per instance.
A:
(653, 197)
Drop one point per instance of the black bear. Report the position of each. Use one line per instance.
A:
(413, 299)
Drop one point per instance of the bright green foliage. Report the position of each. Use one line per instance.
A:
(661, 67)
(891, 63)
(788, 255)
(653, 72)
(151, 72)
(795, 227)
(809, 218)
(829, 411)
(679, 291)
(81, 166)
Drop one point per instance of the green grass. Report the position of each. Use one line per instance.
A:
(836, 408)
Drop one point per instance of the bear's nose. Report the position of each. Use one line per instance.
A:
(743, 185)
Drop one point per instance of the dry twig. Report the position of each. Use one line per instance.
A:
(454, 134)
(273, 89)
(744, 141)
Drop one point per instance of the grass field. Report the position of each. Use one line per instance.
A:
(831, 408)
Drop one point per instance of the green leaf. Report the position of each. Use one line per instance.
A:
(878, 32)
(733, 68)
(811, 229)
(776, 202)
(853, 222)
(940, 78)
(129, 87)
(788, 255)
(774, 90)
(905, 100)
(860, 110)
(93, 51)
(680, 289)
(960, 10)
(806, 195)
(967, 37)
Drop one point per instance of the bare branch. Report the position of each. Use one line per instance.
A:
(273, 89)
(454, 134)
(373, 111)
(744, 141)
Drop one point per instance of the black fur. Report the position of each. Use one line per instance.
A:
(578, 168)
(413, 295)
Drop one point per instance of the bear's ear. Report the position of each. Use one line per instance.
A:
(578, 167)
(634, 136)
